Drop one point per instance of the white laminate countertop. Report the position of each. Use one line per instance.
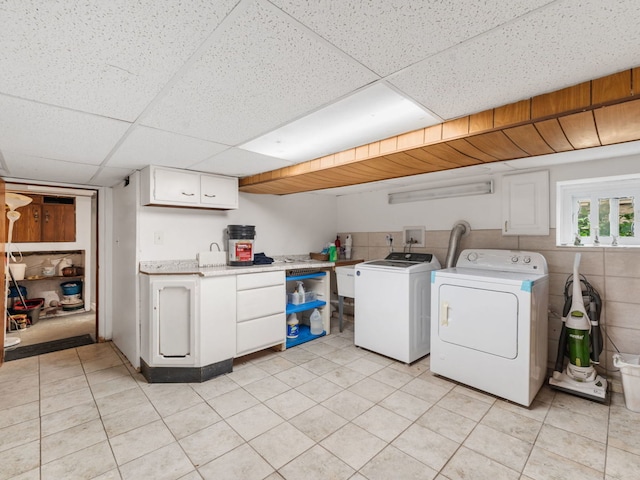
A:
(190, 267)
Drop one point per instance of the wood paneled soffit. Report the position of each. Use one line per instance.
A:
(600, 112)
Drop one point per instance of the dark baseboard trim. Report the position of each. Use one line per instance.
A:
(185, 374)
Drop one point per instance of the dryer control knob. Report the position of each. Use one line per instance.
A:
(527, 260)
(514, 259)
(472, 256)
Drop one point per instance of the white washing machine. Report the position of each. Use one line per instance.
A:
(489, 328)
(393, 305)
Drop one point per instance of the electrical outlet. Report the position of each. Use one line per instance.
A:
(158, 238)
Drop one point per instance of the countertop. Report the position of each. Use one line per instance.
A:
(190, 267)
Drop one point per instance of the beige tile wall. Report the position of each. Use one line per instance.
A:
(614, 272)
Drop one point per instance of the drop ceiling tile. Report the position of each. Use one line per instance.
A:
(549, 49)
(240, 163)
(39, 130)
(105, 57)
(109, 177)
(47, 170)
(149, 146)
(388, 35)
(261, 70)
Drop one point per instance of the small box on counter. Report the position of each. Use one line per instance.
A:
(323, 257)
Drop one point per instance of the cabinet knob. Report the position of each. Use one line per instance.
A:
(188, 194)
(209, 195)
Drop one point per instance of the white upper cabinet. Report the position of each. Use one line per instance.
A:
(183, 188)
(221, 192)
(525, 203)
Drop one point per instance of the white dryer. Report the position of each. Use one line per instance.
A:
(489, 322)
(393, 305)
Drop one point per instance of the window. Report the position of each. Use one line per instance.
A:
(598, 211)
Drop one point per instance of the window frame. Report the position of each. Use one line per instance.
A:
(569, 193)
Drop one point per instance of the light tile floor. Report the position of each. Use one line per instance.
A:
(323, 410)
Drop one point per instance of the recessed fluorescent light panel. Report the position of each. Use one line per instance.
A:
(369, 115)
(477, 188)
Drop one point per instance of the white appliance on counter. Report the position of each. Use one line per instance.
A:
(489, 328)
(393, 305)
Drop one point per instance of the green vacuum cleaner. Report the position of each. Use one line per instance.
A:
(580, 340)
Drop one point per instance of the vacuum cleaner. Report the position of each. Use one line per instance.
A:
(580, 340)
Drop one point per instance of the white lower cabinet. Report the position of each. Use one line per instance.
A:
(191, 320)
(174, 316)
(260, 311)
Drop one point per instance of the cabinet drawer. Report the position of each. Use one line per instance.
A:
(260, 333)
(257, 280)
(260, 302)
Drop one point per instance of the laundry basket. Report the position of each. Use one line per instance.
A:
(629, 366)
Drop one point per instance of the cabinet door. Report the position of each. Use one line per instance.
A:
(525, 204)
(219, 191)
(27, 227)
(173, 321)
(58, 222)
(176, 186)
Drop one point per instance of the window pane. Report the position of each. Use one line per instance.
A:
(584, 223)
(625, 213)
(604, 223)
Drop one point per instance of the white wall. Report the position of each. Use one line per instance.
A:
(292, 224)
(371, 212)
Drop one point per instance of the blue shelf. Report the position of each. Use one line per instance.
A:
(291, 308)
(309, 275)
(304, 336)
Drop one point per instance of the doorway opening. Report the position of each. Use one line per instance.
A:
(54, 293)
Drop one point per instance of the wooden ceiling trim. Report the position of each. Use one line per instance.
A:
(362, 152)
(433, 134)
(411, 139)
(388, 167)
(611, 88)
(562, 101)
(527, 138)
(430, 158)
(552, 134)
(455, 128)
(446, 152)
(580, 129)
(513, 113)
(563, 120)
(498, 144)
(388, 145)
(406, 160)
(464, 146)
(480, 122)
(618, 123)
